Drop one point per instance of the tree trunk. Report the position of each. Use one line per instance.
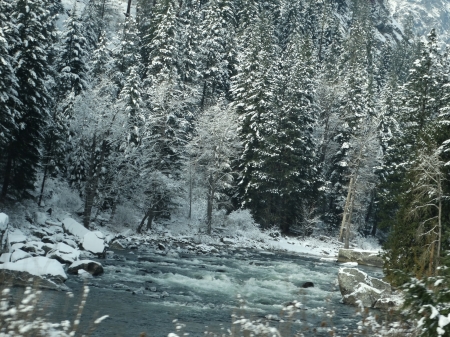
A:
(43, 185)
(190, 191)
(128, 9)
(346, 209)
(209, 206)
(349, 223)
(92, 181)
(7, 175)
(438, 252)
(148, 214)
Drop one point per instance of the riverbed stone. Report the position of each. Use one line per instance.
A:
(117, 245)
(363, 257)
(363, 293)
(308, 285)
(355, 286)
(16, 278)
(90, 266)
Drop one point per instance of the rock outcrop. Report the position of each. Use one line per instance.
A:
(368, 258)
(356, 286)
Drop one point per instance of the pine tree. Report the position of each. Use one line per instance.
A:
(33, 30)
(423, 98)
(127, 54)
(8, 87)
(72, 70)
(216, 44)
(292, 150)
(131, 96)
(253, 99)
(163, 45)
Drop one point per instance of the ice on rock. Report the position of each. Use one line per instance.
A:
(4, 220)
(93, 243)
(19, 254)
(73, 227)
(38, 266)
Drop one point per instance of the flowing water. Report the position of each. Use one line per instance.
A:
(146, 291)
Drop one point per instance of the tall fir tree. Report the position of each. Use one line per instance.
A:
(253, 88)
(217, 42)
(33, 25)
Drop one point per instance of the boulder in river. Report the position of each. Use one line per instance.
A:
(94, 242)
(18, 278)
(47, 273)
(308, 285)
(90, 266)
(368, 258)
(355, 285)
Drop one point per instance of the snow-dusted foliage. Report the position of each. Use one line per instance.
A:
(27, 319)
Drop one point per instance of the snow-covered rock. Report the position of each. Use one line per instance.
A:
(368, 258)
(84, 274)
(73, 227)
(355, 285)
(63, 253)
(70, 242)
(118, 245)
(40, 218)
(25, 279)
(38, 266)
(94, 242)
(367, 295)
(14, 236)
(5, 257)
(4, 220)
(90, 266)
(19, 254)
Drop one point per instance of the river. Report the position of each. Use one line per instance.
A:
(146, 291)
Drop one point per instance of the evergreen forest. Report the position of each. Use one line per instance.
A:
(308, 113)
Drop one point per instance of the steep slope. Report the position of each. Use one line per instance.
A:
(426, 14)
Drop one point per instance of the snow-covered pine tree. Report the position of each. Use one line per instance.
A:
(217, 42)
(189, 59)
(127, 53)
(71, 64)
(131, 96)
(292, 150)
(355, 107)
(253, 90)
(8, 81)
(144, 20)
(70, 79)
(423, 98)
(101, 61)
(164, 31)
(32, 23)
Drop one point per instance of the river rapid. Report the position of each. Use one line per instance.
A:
(152, 292)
